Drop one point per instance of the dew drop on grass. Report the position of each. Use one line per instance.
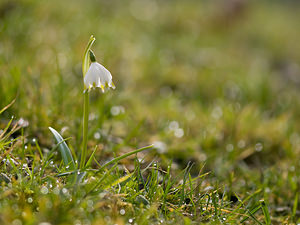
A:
(173, 125)
(122, 212)
(64, 190)
(179, 133)
(208, 188)
(258, 147)
(23, 123)
(115, 110)
(16, 222)
(29, 200)
(140, 160)
(97, 135)
(92, 116)
(190, 115)
(56, 191)
(44, 190)
(130, 220)
(160, 146)
(217, 112)
(90, 203)
(241, 144)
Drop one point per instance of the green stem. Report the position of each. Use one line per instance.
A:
(85, 128)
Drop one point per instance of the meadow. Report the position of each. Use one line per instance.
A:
(203, 126)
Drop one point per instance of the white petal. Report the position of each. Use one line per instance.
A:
(91, 77)
(98, 76)
(105, 75)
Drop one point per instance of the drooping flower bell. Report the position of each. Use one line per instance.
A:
(97, 76)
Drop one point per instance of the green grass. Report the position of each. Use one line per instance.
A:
(214, 88)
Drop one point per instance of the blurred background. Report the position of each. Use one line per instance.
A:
(211, 82)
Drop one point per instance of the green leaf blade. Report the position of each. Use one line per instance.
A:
(86, 58)
(64, 150)
(117, 159)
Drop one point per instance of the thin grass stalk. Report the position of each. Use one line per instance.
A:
(85, 128)
(85, 66)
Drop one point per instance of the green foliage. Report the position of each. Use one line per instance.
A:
(86, 56)
(64, 150)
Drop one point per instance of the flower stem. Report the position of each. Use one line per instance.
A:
(85, 128)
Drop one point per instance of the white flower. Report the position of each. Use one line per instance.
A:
(98, 76)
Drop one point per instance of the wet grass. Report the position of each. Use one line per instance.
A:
(213, 86)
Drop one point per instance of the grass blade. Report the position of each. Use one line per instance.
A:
(101, 180)
(251, 214)
(115, 160)
(3, 134)
(295, 206)
(265, 210)
(120, 180)
(186, 175)
(64, 149)
(86, 58)
(89, 162)
(6, 107)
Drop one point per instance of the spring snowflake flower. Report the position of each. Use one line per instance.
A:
(97, 76)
